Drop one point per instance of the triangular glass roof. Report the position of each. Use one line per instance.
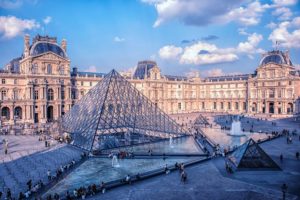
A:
(251, 155)
(114, 113)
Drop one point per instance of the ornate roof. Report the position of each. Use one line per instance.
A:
(44, 46)
(277, 57)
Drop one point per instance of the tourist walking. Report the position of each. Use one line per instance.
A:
(49, 175)
(5, 146)
(281, 157)
(183, 176)
(297, 155)
(284, 188)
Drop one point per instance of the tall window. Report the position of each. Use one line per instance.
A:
(62, 70)
(215, 105)
(49, 69)
(236, 105)
(16, 94)
(3, 81)
(3, 94)
(179, 106)
(50, 94)
(62, 93)
(36, 94)
(34, 68)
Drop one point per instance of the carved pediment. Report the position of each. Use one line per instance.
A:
(51, 56)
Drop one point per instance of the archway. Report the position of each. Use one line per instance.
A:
(289, 108)
(5, 113)
(50, 113)
(254, 107)
(18, 112)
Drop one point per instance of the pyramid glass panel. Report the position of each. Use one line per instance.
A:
(251, 156)
(113, 114)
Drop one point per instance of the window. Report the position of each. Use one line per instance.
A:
(229, 105)
(50, 94)
(91, 84)
(36, 94)
(62, 70)
(15, 94)
(34, 68)
(215, 105)
(179, 106)
(222, 105)
(15, 81)
(271, 93)
(290, 82)
(49, 69)
(203, 105)
(3, 81)
(279, 93)
(244, 105)
(3, 95)
(236, 105)
(81, 83)
(82, 93)
(62, 93)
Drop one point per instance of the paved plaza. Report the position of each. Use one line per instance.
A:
(209, 180)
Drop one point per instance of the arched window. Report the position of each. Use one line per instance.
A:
(61, 70)
(49, 69)
(18, 112)
(35, 68)
(5, 113)
(50, 94)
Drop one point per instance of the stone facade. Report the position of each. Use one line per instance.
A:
(39, 87)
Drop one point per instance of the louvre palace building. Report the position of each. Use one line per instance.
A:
(40, 86)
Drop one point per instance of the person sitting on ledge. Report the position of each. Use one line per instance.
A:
(128, 179)
(94, 189)
(166, 170)
(56, 196)
(102, 187)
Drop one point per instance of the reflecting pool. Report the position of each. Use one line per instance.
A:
(225, 139)
(183, 145)
(96, 170)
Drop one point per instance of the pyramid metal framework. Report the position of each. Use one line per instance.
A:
(114, 113)
(251, 156)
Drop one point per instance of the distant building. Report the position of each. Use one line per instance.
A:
(39, 86)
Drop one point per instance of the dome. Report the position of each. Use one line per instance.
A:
(143, 69)
(276, 57)
(43, 47)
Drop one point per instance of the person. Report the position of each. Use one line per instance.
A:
(6, 146)
(128, 179)
(167, 171)
(8, 194)
(75, 193)
(281, 157)
(94, 189)
(56, 196)
(29, 184)
(21, 196)
(102, 187)
(297, 155)
(183, 176)
(0, 194)
(49, 175)
(68, 196)
(284, 188)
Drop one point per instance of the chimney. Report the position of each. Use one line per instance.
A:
(26, 45)
(64, 45)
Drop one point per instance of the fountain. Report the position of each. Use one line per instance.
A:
(115, 162)
(236, 129)
(171, 142)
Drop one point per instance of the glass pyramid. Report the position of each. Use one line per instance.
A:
(251, 155)
(114, 114)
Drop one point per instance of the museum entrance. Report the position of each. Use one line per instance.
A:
(271, 107)
(50, 113)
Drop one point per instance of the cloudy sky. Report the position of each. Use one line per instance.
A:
(211, 36)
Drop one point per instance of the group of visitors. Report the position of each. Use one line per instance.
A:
(183, 174)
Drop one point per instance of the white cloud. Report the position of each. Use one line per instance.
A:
(11, 26)
(248, 15)
(250, 46)
(199, 13)
(91, 68)
(205, 53)
(47, 20)
(201, 53)
(271, 25)
(118, 39)
(242, 31)
(296, 22)
(285, 2)
(286, 38)
(169, 52)
(283, 13)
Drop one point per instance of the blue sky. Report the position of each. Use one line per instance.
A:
(182, 36)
